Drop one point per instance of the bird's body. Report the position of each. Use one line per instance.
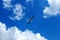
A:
(30, 20)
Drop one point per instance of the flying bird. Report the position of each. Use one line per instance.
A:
(30, 20)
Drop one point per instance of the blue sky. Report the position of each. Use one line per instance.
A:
(48, 27)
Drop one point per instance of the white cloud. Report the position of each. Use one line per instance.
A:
(16, 8)
(14, 33)
(7, 3)
(18, 12)
(53, 9)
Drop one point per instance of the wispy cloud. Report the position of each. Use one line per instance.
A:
(16, 8)
(14, 33)
(53, 9)
(18, 12)
(7, 3)
(29, 1)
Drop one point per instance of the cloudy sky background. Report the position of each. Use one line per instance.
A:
(15, 13)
